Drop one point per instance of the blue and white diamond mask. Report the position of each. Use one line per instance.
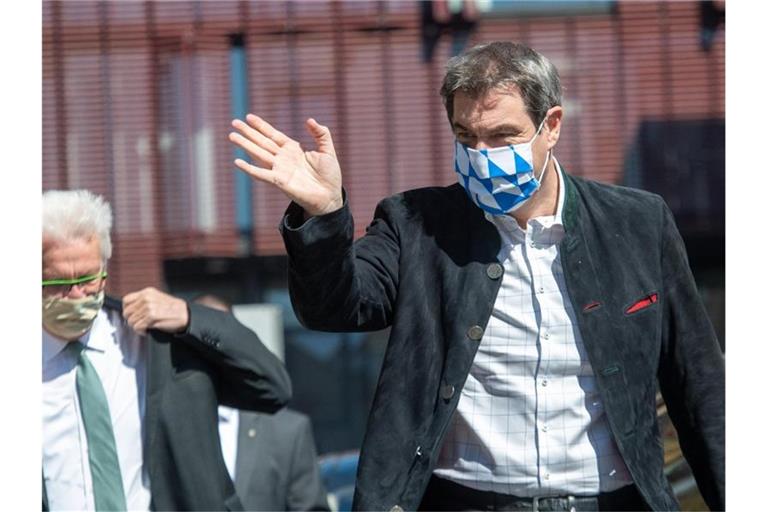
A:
(498, 180)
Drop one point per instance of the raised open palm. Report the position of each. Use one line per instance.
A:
(310, 178)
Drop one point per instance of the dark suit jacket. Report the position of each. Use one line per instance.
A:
(427, 267)
(276, 466)
(218, 360)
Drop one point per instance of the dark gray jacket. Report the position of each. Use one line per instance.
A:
(276, 466)
(427, 267)
(217, 361)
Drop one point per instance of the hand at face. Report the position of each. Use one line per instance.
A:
(152, 309)
(310, 178)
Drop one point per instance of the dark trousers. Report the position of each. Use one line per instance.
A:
(443, 494)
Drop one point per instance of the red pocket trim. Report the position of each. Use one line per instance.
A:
(642, 303)
(592, 306)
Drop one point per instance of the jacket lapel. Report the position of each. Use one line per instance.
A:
(589, 291)
(159, 370)
(248, 435)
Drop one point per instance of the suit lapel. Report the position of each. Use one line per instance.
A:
(587, 287)
(158, 372)
(248, 435)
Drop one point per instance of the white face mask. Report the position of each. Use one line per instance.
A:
(499, 180)
(69, 319)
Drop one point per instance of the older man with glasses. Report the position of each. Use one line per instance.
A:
(131, 388)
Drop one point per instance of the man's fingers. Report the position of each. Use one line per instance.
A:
(263, 156)
(322, 136)
(136, 321)
(259, 173)
(255, 136)
(264, 127)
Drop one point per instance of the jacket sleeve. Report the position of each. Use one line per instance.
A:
(335, 284)
(692, 370)
(248, 375)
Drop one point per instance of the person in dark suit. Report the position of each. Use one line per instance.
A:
(533, 314)
(271, 457)
(131, 388)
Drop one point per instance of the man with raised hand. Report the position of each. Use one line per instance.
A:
(533, 314)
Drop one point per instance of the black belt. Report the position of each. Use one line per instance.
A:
(446, 495)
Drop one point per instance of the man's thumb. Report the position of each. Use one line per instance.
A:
(322, 136)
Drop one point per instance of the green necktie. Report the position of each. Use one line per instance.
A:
(102, 455)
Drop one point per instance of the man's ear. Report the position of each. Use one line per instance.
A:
(554, 121)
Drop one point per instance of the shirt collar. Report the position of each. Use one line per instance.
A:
(96, 338)
(226, 413)
(509, 225)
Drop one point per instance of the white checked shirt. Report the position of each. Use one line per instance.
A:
(119, 357)
(530, 421)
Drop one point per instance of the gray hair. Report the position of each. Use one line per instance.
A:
(70, 215)
(501, 63)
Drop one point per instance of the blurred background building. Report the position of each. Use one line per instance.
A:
(138, 99)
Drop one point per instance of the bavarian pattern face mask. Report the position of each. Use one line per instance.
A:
(499, 180)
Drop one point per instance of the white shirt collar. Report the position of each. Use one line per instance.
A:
(226, 413)
(508, 223)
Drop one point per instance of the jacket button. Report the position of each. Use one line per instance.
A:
(446, 391)
(494, 271)
(396, 508)
(475, 333)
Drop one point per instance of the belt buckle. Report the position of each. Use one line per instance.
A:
(571, 503)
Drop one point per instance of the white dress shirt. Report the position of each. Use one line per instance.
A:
(119, 356)
(530, 421)
(229, 424)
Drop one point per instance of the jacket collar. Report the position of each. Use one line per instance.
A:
(571, 205)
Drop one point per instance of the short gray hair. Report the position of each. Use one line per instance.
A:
(501, 63)
(70, 215)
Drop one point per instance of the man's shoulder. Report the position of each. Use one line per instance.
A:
(284, 416)
(427, 202)
(426, 194)
(613, 196)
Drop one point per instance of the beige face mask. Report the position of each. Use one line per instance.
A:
(69, 319)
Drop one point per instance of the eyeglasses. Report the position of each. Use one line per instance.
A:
(88, 284)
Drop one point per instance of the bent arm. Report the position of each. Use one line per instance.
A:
(249, 376)
(338, 285)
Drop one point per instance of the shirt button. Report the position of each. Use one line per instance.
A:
(544, 382)
(541, 289)
(546, 335)
(546, 476)
(475, 333)
(494, 271)
(544, 428)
